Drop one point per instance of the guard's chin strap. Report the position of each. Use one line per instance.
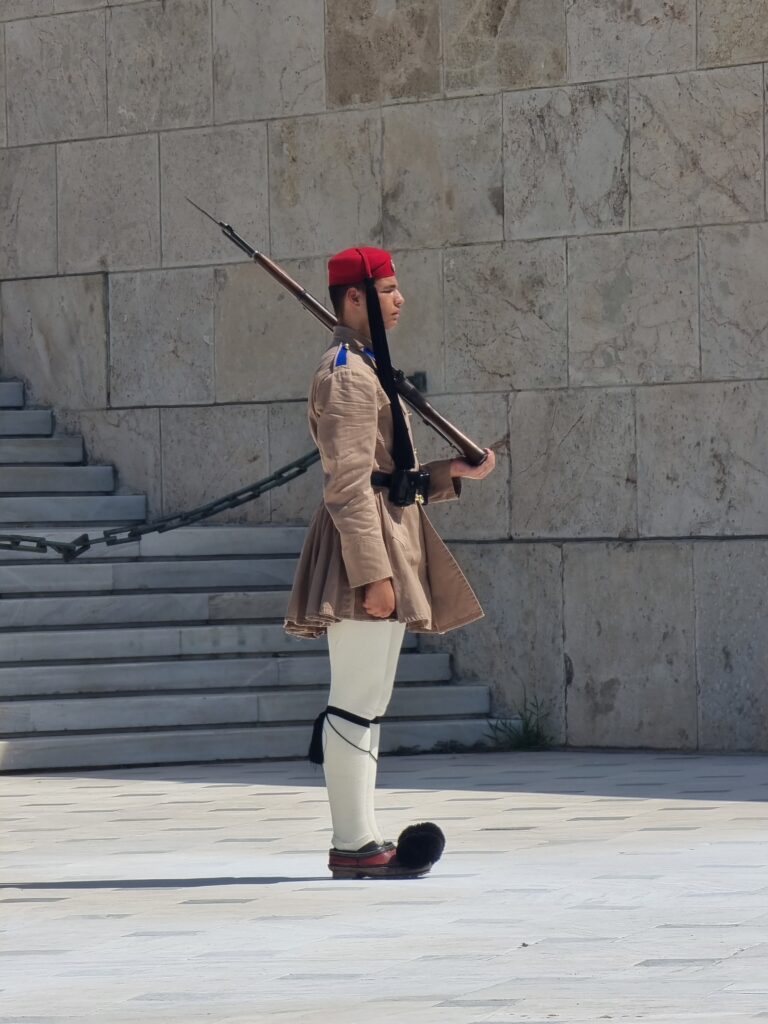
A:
(316, 753)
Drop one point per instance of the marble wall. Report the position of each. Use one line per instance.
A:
(575, 195)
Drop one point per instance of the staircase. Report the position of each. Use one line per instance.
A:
(168, 649)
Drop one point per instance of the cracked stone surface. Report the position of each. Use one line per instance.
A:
(731, 605)
(566, 160)
(161, 338)
(27, 211)
(159, 65)
(629, 629)
(431, 195)
(633, 308)
(732, 31)
(55, 337)
(505, 316)
(503, 44)
(268, 59)
(382, 51)
(3, 135)
(518, 647)
(702, 459)
(200, 893)
(697, 149)
(108, 204)
(734, 301)
(573, 463)
(313, 158)
(41, 53)
(224, 170)
(607, 39)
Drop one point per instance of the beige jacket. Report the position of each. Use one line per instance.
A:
(356, 536)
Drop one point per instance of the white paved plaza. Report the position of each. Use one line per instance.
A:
(576, 887)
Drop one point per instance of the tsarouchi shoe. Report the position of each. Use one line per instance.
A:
(418, 848)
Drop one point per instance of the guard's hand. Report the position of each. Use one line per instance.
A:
(460, 467)
(379, 599)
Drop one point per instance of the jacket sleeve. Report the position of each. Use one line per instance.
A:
(442, 486)
(347, 423)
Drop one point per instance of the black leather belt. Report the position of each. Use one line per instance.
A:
(381, 479)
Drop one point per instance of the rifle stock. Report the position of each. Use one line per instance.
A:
(473, 453)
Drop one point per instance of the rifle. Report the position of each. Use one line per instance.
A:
(473, 454)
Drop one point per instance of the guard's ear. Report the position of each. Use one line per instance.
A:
(355, 297)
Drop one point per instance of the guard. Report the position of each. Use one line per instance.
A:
(372, 564)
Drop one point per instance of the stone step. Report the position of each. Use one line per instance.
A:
(204, 574)
(183, 542)
(26, 422)
(207, 541)
(129, 609)
(100, 677)
(11, 394)
(195, 745)
(102, 714)
(134, 642)
(62, 448)
(56, 479)
(112, 508)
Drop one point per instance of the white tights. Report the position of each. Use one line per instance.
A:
(363, 664)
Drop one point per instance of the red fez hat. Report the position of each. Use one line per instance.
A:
(354, 265)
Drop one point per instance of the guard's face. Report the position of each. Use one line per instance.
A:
(390, 300)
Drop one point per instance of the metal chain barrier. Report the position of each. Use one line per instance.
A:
(70, 550)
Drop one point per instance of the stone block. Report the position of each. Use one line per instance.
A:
(382, 52)
(11, 10)
(512, 44)
(417, 343)
(518, 647)
(630, 645)
(267, 344)
(697, 147)
(55, 338)
(224, 170)
(268, 59)
(702, 459)
(482, 511)
(57, 87)
(731, 580)
(566, 160)
(27, 211)
(506, 316)
(210, 451)
(129, 439)
(732, 32)
(109, 216)
(64, 6)
(429, 197)
(610, 40)
(633, 308)
(289, 439)
(734, 301)
(573, 471)
(3, 135)
(161, 329)
(312, 159)
(159, 66)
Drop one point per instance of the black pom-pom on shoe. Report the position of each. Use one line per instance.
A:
(420, 846)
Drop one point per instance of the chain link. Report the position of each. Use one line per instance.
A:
(70, 550)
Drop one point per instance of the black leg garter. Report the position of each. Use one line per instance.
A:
(316, 754)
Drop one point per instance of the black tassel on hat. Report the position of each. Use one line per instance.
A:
(403, 448)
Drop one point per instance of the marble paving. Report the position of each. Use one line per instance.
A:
(576, 887)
